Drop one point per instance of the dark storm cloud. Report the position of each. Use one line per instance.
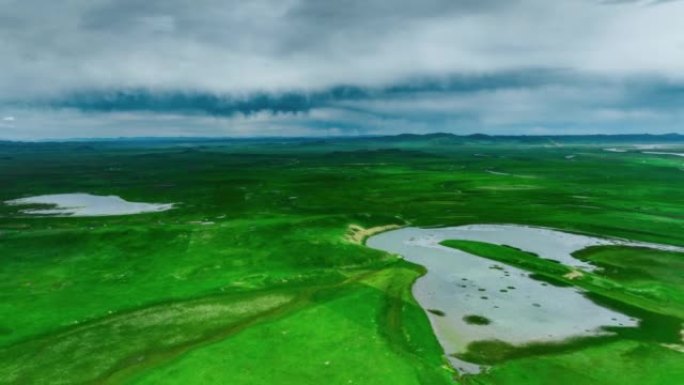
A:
(299, 66)
(292, 101)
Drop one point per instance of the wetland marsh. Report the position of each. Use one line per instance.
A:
(281, 261)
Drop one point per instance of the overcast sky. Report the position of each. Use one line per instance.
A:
(109, 68)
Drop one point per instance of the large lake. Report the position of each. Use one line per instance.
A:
(521, 309)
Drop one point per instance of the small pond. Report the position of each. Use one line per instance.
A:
(85, 205)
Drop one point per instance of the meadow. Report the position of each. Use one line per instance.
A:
(256, 276)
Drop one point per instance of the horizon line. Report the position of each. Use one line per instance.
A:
(323, 137)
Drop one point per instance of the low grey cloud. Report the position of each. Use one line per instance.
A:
(224, 64)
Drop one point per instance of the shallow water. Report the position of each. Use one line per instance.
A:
(663, 153)
(86, 205)
(521, 309)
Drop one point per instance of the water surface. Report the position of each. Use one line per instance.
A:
(521, 309)
(85, 205)
(663, 153)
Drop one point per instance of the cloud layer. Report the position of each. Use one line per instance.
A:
(292, 67)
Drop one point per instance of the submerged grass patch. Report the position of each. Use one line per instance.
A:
(474, 319)
(492, 352)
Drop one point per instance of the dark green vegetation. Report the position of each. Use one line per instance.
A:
(618, 363)
(653, 274)
(474, 319)
(251, 279)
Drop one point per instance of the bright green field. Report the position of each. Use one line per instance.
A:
(251, 279)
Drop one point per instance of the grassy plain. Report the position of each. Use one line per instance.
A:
(253, 278)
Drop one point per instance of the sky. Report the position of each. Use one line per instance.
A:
(126, 68)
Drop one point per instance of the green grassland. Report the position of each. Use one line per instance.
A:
(251, 278)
